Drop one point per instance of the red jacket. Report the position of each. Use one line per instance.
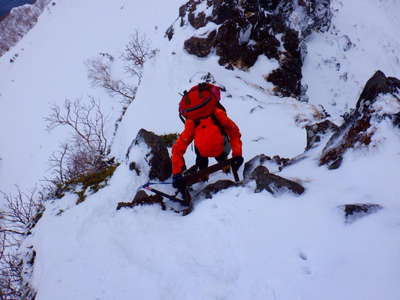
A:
(188, 134)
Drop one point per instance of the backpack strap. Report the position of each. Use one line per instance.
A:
(219, 105)
(217, 122)
(182, 118)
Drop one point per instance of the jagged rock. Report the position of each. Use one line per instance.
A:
(358, 129)
(141, 198)
(278, 162)
(248, 29)
(216, 187)
(273, 183)
(355, 211)
(316, 131)
(158, 157)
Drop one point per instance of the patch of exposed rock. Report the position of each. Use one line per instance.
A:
(353, 212)
(157, 156)
(360, 125)
(241, 31)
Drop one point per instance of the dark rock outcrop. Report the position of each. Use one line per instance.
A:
(273, 183)
(158, 156)
(200, 47)
(317, 131)
(248, 29)
(141, 198)
(353, 212)
(357, 130)
(216, 187)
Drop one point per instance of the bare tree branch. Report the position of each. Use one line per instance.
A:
(99, 73)
(20, 212)
(88, 148)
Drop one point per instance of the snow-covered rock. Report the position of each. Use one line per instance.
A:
(362, 123)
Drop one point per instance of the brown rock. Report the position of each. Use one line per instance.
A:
(200, 47)
(216, 187)
(273, 183)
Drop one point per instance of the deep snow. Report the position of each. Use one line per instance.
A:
(238, 245)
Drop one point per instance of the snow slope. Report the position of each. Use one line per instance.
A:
(238, 245)
(362, 40)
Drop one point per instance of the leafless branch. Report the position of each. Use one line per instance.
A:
(88, 148)
(136, 53)
(20, 211)
(99, 73)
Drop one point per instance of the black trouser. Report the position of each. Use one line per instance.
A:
(202, 162)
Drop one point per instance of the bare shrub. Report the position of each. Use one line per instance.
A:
(100, 74)
(87, 150)
(10, 272)
(21, 209)
(20, 214)
(136, 52)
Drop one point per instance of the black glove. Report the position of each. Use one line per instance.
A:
(178, 182)
(237, 161)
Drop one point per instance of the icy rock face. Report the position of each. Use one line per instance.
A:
(243, 30)
(379, 100)
(16, 24)
(157, 157)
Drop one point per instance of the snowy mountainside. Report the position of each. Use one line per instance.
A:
(239, 244)
(16, 23)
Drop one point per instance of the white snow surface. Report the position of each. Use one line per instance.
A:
(237, 245)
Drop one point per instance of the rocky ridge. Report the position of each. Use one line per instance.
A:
(240, 31)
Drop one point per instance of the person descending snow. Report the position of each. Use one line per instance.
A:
(213, 132)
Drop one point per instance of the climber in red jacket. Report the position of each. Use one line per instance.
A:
(213, 132)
